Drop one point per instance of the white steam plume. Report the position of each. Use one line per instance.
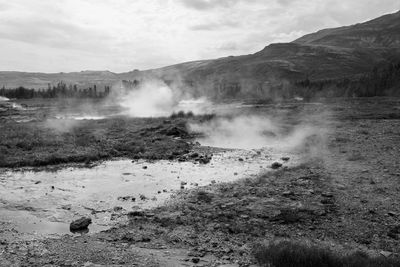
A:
(253, 131)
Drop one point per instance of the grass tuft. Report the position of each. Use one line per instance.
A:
(294, 254)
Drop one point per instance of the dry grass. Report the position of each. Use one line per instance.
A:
(294, 254)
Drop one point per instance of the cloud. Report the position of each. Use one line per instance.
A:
(229, 46)
(208, 4)
(214, 25)
(56, 34)
(71, 35)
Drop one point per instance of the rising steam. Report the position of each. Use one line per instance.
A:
(250, 132)
(154, 98)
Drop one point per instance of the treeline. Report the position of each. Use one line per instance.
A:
(60, 90)
(381, 81)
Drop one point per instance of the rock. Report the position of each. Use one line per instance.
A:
(386, 253)
(183, 183)
(240, 159)
(195, 260)
(327, 201)
(117, 208)
(136, 213)
(66, 207)
(327, 194)
(394, 232)
(392, 213)
(144, 167)
(276, 165)
(205, 160)
(287, 194)
(127, 198)
(80, 224)
(285, 158)
(38, 182)
(194, 155)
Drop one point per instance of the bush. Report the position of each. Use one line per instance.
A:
(293, 254)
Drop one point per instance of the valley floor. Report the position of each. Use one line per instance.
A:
(344, 196)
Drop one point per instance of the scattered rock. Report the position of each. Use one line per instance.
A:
(80, 224)
(127, 198)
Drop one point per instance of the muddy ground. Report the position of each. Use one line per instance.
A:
(345, 195)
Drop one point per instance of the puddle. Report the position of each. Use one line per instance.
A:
(45, 202)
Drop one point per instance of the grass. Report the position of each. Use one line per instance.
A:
(38, 144)
(294, 254)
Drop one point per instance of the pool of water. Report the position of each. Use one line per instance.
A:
(45, 202)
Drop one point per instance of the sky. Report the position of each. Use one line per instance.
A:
(122, 35)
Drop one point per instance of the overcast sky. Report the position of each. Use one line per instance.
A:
(122, 35)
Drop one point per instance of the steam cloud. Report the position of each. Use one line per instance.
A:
(254, 131)
(154, 98)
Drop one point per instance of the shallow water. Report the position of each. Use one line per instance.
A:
(45, 202)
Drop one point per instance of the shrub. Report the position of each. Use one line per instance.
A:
(294, 254)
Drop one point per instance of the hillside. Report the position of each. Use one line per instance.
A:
(327, 54)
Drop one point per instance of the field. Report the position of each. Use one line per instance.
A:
(344, 197)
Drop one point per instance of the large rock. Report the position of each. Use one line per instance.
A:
(80, 224)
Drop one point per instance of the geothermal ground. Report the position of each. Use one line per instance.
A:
(197, 190)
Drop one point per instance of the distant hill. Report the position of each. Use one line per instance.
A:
(344, 52)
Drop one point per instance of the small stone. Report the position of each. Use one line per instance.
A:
(240, 159)
(391, 213)
(287, 194)
(285, 158)
(195, 260)
(144, 167)
(80, 224)
(386, 253)
(276, 165)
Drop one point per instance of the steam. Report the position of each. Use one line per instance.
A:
(154, 98)
(61, 125)
(2, 98)
(254, 131)
(151, 99)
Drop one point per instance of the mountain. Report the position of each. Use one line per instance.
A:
(344, 52)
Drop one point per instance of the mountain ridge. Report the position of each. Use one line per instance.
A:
(326, 54)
